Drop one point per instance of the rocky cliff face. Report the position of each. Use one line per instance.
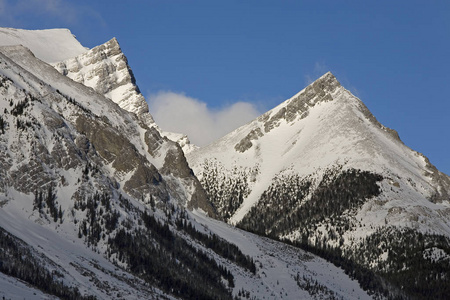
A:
(105, 69)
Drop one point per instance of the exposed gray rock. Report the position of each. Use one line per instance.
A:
(441, 180)
(153, 140)
(117, 150)
(246, 143)
(175, 164)
(146, 180)
(298, 107)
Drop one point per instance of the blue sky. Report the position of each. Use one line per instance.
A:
(224, 57)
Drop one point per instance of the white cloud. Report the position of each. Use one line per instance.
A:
(176, 112)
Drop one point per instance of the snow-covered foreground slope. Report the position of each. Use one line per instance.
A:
(63, 253)
(50, 45)
(284, 272)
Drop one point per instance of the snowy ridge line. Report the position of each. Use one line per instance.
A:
(50, 45)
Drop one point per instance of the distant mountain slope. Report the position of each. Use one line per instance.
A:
(321, 171)
(50, 45)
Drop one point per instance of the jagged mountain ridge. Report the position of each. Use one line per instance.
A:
(63, 136)
(130, 161)
(105, 69)
(319, 170)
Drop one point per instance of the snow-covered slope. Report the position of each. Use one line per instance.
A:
(57, 247)
(50, 45)
(283, 271)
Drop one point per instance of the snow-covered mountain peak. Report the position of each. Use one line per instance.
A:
(321, 171)
(320, 127)
(105, 69)
(49, 45)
